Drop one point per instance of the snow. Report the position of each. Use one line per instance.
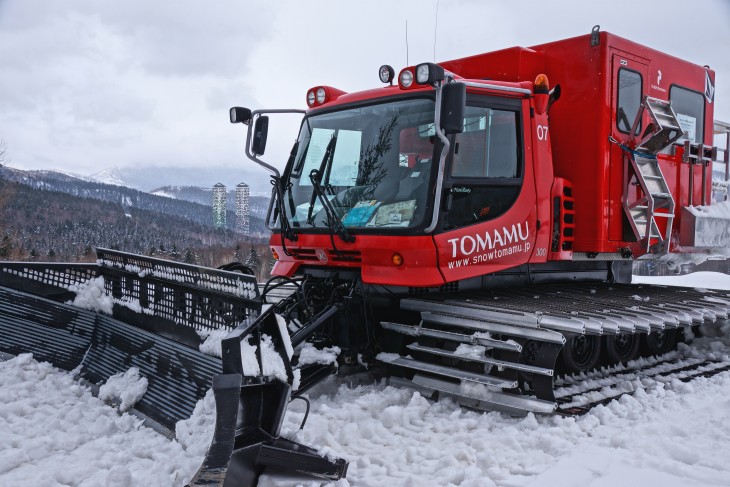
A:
(272, 364)
(667, 432)
(717, 210)
(396, 437)
(249, 361)
(311, 355)
(164, 194)
(470, 351)
(90, 295)
(126, 388)
(704, 280)
(55, 432)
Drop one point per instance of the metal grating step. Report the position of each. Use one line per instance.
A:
(482, 360)
(443, 371)
(417, 331)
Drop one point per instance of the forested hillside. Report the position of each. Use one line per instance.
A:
(125, 197)
(41, 225)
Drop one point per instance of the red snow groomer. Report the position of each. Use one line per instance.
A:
(469, 229)
(472, 225)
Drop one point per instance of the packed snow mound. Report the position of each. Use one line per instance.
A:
(90, 295)
(196, 432)
(702, 280)
(125, 388)
(55, 432)
(392, 436)
(717, 210)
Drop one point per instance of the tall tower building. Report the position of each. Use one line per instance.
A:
(242, 208)
(219, 206)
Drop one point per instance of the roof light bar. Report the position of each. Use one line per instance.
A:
(319, 95)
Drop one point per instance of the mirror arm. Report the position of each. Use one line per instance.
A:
(255, 114)
(442, 159)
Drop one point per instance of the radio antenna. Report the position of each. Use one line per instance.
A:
(406, 42)
(435, 28)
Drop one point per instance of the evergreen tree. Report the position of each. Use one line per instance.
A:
(238, 254)
(6, 246)
(253, 260)
(174, 253)
(190, 257)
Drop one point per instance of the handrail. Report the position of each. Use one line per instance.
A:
(720, 128)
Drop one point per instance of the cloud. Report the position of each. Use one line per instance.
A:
(123, 83)
(88, 85)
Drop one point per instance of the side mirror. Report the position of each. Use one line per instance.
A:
(453, 106)
(240, 115)
(260, 131)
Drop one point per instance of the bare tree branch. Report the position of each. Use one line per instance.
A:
(3, 153)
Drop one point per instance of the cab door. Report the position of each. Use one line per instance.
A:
(629, 84)
(488, 216)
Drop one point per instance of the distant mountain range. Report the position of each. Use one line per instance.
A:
(150, 178)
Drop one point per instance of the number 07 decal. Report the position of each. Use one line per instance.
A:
(542, 132)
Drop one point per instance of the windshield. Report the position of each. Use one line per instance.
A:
(376, 173)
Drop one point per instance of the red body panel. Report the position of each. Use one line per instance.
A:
(567, 158)
(583, 119)
(373, 254)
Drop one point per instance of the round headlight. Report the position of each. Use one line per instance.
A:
(406, 78)
(386, 73)
(320, 95)
(422, 73)
(310, 98)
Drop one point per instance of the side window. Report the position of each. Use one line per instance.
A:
(486, 167)
(488, 146)
(629, 99)
(690, 109)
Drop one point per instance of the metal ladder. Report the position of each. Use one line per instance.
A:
(663, 130)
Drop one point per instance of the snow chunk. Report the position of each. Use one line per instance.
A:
(196, 432)
(127, 387)
(273, 365)
(212, 341)
(636, 297)
(248, 358)
(284, 332)
(470, 351)
(309, 354)
(90, 295)
(271, 362)
(387, 357)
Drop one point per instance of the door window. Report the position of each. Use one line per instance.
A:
(486, 166)
(629, 99)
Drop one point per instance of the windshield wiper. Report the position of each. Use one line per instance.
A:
(281, 184)
(332, 221)
(328, 153)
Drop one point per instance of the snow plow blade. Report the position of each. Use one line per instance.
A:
(238, 455)
(152, 316)
(250, 410)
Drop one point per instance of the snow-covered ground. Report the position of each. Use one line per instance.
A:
(54, 432)
(704, 280)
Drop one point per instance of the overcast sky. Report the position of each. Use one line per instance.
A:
(86, 85)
